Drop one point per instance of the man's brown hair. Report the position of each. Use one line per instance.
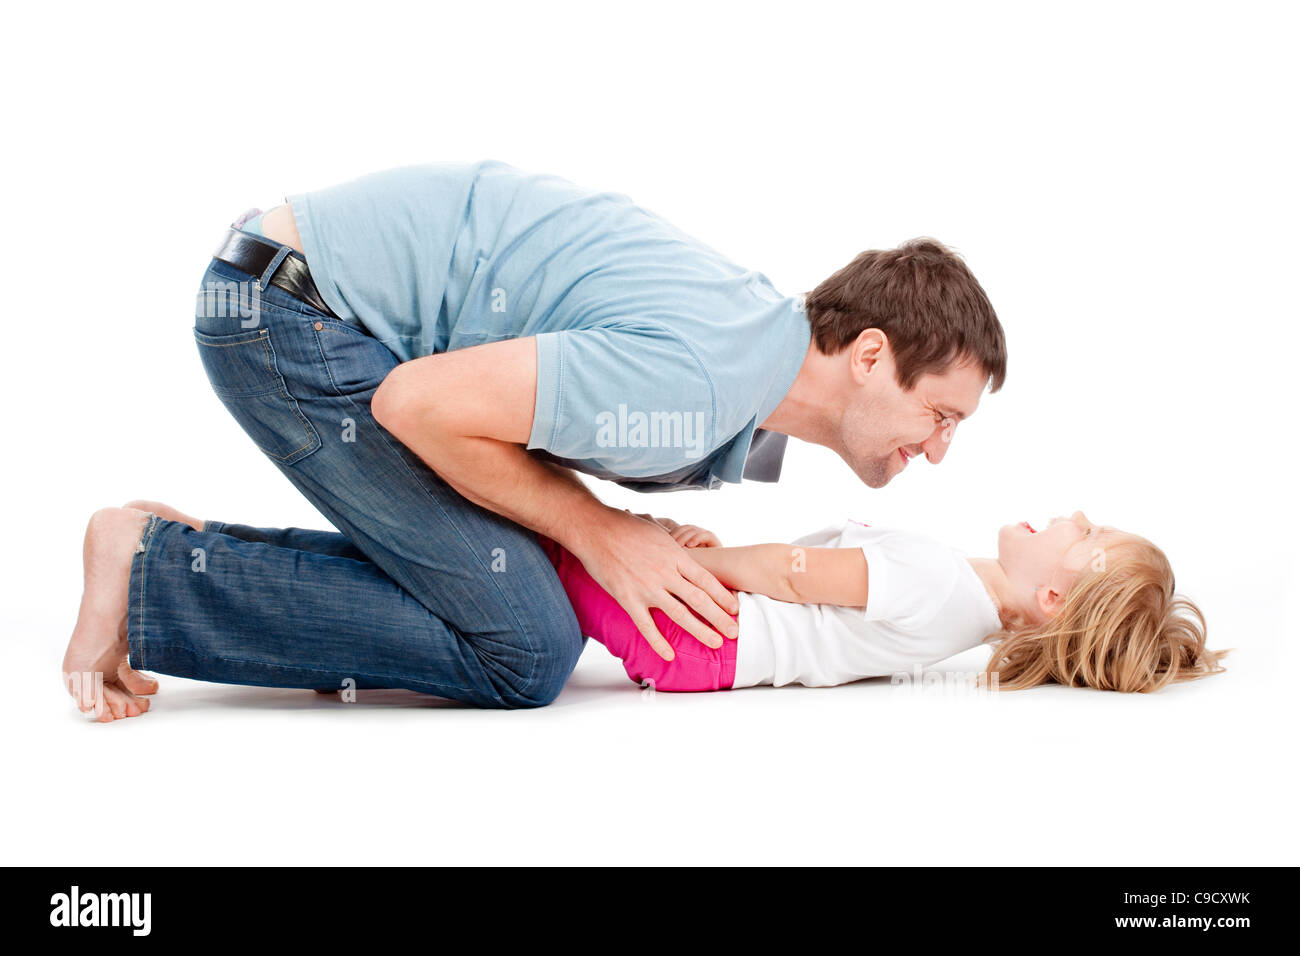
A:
(925, 300)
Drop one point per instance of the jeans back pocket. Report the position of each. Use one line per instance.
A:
(241, 367)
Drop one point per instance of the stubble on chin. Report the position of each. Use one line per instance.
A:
(873, 472)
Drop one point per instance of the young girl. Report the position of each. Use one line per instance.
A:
(1073, 604)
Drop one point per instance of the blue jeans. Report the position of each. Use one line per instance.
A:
(422, 589)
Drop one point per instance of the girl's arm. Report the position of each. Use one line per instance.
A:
(787, 572)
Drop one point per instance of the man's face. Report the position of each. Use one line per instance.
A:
(884, 426)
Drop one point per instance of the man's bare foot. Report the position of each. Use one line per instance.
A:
(96, 671)
(166, 511)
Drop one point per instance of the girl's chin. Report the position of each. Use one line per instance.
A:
(1008, 532)
(1014, 546)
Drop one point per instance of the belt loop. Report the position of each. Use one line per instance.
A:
(244, 216)
(274, 264)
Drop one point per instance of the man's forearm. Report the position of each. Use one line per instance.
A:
(503, 477)
(438, 407)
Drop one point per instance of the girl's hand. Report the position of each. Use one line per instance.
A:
(686, 535)
(693, 536)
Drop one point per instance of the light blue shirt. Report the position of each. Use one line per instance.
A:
(657, 358)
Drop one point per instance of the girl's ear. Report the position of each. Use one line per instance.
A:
(1049, 601)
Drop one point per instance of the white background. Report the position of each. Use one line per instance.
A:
(1120, 177)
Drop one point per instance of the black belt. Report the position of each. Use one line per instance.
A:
(250, 255)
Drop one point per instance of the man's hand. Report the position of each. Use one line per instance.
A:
(637, 561)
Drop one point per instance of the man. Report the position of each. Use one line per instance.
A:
(428, 354)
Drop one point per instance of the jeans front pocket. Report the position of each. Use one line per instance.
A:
(355, 361)
(241, 367)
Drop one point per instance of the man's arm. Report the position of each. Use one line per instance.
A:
(787, 572)
(469, 413)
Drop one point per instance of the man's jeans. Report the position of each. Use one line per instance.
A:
(422, 590)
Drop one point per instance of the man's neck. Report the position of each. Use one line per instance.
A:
(810, 411)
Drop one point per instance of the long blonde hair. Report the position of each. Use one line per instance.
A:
(1121, 627)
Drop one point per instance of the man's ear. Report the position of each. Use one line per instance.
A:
(868, 350)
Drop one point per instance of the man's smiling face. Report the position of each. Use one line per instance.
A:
(885, 426)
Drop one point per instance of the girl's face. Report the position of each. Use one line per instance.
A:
(1042, 565)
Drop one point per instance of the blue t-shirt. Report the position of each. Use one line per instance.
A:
(657, 358)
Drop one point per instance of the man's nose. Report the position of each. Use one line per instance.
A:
(936, 446)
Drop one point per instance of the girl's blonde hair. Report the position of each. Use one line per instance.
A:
(1121, 627)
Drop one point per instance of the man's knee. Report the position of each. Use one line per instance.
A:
(550, 660)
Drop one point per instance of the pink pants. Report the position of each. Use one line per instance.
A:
(696, 667)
